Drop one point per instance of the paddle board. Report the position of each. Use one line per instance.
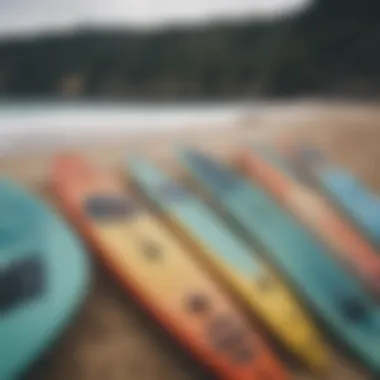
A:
(263, 165)
(44, 276)
(241, 267)
(350, 196)
(336, 298)
(161, 275)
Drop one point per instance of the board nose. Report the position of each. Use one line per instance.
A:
(67, 162)
(71, 166)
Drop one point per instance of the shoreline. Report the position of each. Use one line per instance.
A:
(33, 129)
(324, 125)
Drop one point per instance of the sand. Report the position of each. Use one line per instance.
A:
(111, 338)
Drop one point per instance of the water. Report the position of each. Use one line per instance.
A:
(32, 125)
(36, 124)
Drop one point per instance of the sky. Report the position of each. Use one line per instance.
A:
(34, 16)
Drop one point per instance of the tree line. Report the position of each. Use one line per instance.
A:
(331, 48)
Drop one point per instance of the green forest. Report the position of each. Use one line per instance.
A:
(332, 48)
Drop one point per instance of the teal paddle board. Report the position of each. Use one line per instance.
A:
(345, 190)
(335, 296)
(44, 276)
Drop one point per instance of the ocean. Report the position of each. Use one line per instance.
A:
(34, 124)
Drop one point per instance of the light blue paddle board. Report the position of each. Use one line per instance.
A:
(345, 190)
(44, 276)
(334, 295)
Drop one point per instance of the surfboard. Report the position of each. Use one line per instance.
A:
(240, 267)
(351, 197)
(263, 165)
(44, 277)
(336, 298)
(157, 270)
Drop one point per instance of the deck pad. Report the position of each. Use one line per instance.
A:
(160, 274)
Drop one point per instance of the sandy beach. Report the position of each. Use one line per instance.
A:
(111, 338)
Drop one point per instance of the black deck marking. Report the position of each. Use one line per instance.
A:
(20, 282)
(198, 304)
(110, 208)
(151, 250)
(224, 333)
(230, 340)
(354, 310)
